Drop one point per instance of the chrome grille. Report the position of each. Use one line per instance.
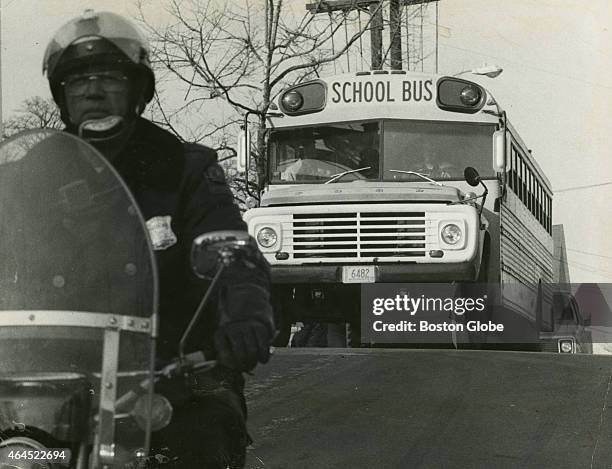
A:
(358, 235)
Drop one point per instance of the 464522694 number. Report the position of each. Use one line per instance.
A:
(51, 455)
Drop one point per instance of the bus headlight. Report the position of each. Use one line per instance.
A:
(267, 237)
(451, 234)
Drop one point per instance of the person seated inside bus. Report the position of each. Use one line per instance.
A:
(301, 168)
(292, 171)
(368, 157)
(358, 156)
(431, 167)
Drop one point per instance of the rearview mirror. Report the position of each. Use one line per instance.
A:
(244, 145)
(211, 250)
(499, 151)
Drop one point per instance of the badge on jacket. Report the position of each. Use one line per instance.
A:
(160, 232)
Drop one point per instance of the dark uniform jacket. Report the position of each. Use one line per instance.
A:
(182, 193)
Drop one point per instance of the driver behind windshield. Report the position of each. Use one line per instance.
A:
(369, 156)
(430, 164)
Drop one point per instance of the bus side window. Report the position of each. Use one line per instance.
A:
(526, 194)
(520, 170)
(545, 209)
(549, 214)
(531, 193)
(539, 202)
(546, 212)
(521, 179)
(534, 196)
(542, 207)
(514, 175)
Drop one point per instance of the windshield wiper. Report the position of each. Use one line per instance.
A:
(335, 177)
(416, 174)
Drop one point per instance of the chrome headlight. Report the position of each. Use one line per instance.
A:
(451, 234)
(267, 237)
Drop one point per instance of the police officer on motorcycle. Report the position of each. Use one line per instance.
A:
(99, 72)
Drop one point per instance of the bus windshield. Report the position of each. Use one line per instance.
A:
(438, 150)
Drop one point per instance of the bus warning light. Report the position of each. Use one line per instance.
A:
(304, 99)
(458, 95)
(292, 101)
(470, 95)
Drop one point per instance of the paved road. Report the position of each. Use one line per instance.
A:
(373, 408)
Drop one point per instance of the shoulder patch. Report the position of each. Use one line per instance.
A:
(160, 232)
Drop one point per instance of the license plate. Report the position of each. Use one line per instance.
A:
(358, 274)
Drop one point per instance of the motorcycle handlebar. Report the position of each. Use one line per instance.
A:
(194, 361)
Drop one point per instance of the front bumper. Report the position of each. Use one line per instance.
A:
(385, 273)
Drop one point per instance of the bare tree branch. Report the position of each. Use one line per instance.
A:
(34, 113)
(236, 56)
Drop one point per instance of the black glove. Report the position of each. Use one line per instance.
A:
(241, 344)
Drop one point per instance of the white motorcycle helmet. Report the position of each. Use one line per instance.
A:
(99, 38)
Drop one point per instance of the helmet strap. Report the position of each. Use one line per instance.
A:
(108, 135)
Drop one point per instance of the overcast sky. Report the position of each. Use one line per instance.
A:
(556, 87)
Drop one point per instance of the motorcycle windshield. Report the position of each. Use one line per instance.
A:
(78, 301)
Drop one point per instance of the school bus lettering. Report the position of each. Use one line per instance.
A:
(360, 92)
(417, 90)
(381, 92)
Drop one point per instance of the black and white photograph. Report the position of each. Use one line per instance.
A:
(278, 234)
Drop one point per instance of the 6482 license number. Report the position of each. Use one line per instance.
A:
(358, 274)
(52, 455)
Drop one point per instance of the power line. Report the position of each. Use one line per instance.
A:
(586, 267)
(567, 189)
(589, 253)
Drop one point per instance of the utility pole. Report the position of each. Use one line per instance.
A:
(376, 35)
(376, 24)
(375, 9)
(395, 34)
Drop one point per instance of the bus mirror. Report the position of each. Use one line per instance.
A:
(471, 176)
(499, 151)
(244, 144)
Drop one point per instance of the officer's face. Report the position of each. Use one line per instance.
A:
(96, 94)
